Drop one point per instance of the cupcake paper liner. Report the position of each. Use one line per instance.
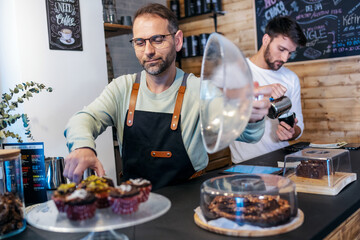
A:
(60, 204)
(102, 200)
(81, 212)
(124, 205)
(145, 192)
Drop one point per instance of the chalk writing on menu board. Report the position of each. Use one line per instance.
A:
(64, 25)
(332, 27)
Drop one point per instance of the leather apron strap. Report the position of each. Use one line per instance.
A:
(178, 103)
(133, 98)
(177, 108)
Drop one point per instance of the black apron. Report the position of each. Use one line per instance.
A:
(152, 146)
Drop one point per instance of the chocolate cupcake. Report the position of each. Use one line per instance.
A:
(88, 180)
(108, 181)
(100, 187)
(124, 199)
(60, 194)
(80, 205)
(101, 191)
(144, 187)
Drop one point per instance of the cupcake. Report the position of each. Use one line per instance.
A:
(101, 191)
(144, 187)
(60, 194)
(80, 205)
(124, 199)
(88, 180)
(100, 187)
(108, 181)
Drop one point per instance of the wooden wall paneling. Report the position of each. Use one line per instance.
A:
(197, 27)
(331, 103)
(328, 136)
(324, 68)
(342, 91)
(332, 80)
(333, 114)
(237, 6)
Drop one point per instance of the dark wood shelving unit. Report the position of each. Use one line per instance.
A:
(194, 18)
(112, 29)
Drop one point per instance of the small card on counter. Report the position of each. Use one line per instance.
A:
(328, 145)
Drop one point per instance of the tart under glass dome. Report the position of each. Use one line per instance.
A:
(262, 200)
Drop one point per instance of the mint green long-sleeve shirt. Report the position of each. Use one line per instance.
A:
(109, 109)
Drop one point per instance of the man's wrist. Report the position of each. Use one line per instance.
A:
(87, 148)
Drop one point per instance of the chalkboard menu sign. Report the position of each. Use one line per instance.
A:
(332, 27)
(64, 25)
(33, 170)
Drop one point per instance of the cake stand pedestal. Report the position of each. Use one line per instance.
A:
(45, 216)
(111, 234)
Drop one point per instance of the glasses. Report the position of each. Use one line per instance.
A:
(157, 41)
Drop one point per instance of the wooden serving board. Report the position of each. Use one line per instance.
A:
(321, 186)
(295, 223)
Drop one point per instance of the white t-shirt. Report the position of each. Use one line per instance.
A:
(241, 151)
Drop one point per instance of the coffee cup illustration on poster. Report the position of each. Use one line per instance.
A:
(64, 26)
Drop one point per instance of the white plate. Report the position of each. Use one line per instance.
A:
(46, 216)
(67, 42)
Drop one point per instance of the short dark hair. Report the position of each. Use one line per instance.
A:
(161, 11)
(285, 25)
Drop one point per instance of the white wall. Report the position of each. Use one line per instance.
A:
(77, 77)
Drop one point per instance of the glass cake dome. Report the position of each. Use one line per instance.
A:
(226, 93)
(262, 200)
(319, 171)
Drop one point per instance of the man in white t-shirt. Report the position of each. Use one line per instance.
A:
(282, 36)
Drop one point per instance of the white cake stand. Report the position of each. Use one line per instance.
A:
(45, 216)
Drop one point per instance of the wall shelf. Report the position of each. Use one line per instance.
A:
(112, 29)
(194, 18)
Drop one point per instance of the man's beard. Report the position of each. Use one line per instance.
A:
(162, 66)
(270, 64)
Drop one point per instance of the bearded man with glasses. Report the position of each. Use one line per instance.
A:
(156, 111)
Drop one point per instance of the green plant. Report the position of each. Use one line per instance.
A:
(10, 101)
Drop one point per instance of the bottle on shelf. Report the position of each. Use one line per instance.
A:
(193, 43)
(175, 7)
(185, 49)
(205, 6)
(198, 9)
(216, 5)
(109, 11)
(203, 37)
(190, 8)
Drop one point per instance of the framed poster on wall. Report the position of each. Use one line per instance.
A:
(64, 25)
(332, 27)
